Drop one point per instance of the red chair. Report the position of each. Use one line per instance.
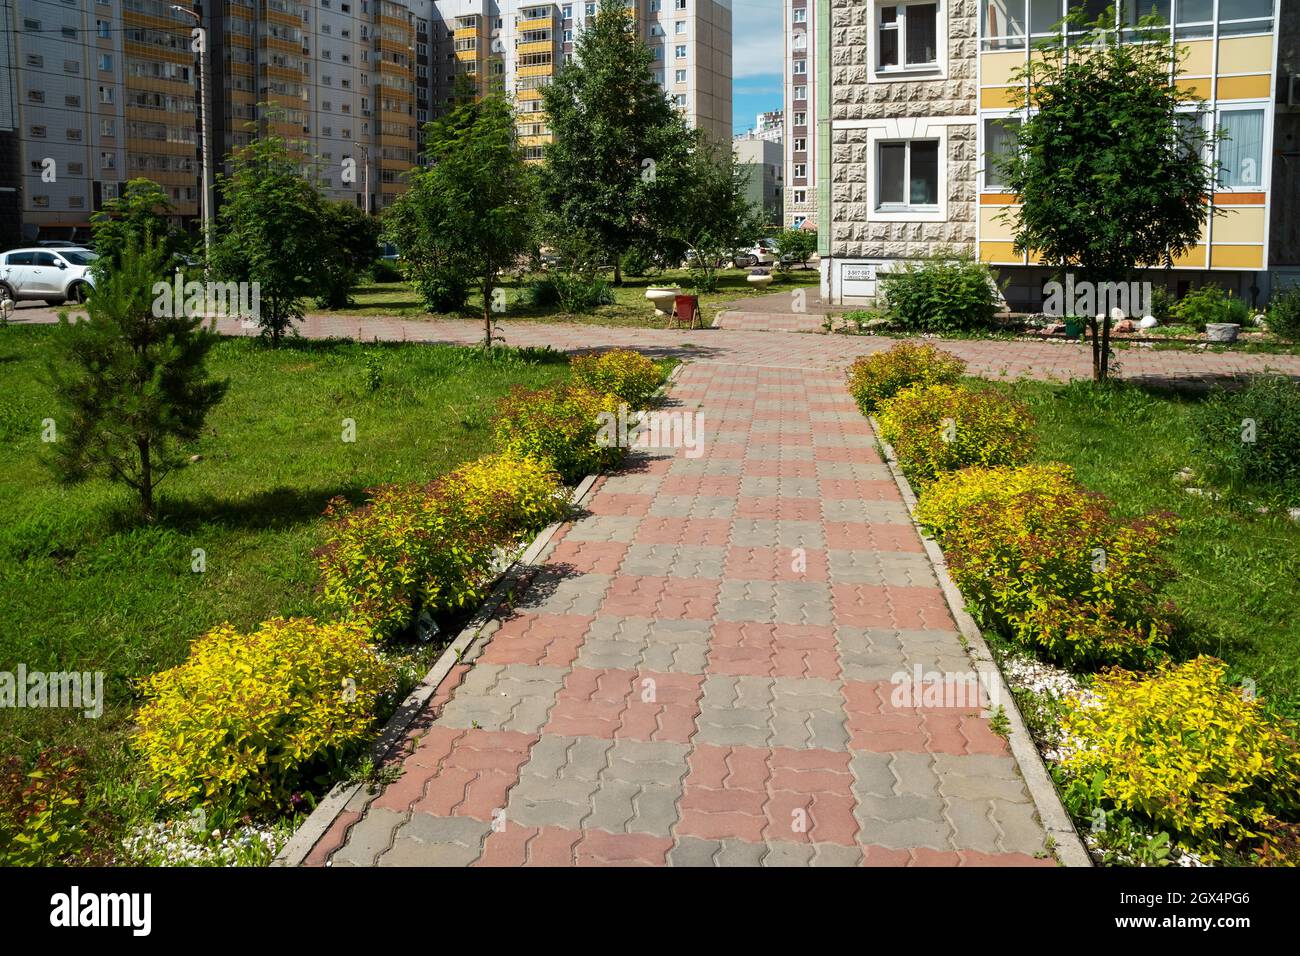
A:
(686, 308)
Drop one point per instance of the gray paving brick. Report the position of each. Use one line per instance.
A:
(812, 854)
(693, 506)
(972, 824)
(369, 837)
(562, 592)
(770, 533)
(764, 486)
(854, 471)
(872, 512)
(504, 697)
(775, 602)
(980, 777)
(426, 840)
(677, 561)
(627, 643)
(862, 566)
(604, 528)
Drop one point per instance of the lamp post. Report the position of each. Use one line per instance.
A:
(202, 39)
(365, 158)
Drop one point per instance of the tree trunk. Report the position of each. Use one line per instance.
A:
(487, 315)
(1105, 350)
(146, 479)
(1096, 350)
(618, 271)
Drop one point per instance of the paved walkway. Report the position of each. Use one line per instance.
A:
(700, 673)
(774, 349)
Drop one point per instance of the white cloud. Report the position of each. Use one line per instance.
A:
(757, 44)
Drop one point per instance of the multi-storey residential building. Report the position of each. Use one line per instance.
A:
(761, 160)
(801, 132)
(770, 126)
(106, 89)
(10, 151)
(920, 97)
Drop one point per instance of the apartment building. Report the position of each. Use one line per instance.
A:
(800, 136)
(10, 151)
(105, 90)
(920, 96)
(763, 164)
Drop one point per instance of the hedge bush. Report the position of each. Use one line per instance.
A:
(558, 426)
(941, 294)
(1252, 435)
(939, 428)
(45, 818)
(1187, 750)
(1209, 303)
(1051, 564)
(629, 375)
(434, 547)
(244, 721)
(874, 378)
(1284, 314)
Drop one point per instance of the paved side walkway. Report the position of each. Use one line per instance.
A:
(768, 349)
(701, 674)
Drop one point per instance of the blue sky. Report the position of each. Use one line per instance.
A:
(756, 51)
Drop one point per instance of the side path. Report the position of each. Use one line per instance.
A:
(774, 349)
(702, 673)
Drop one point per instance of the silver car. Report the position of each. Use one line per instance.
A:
(55, 275)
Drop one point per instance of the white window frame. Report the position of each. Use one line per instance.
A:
(1266, 149)
(902, 72)
(982, 145)
(907, 131)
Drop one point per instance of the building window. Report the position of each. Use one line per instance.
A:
(1241, 151)
(679, 100)
(800, 67)
(907, 175)
(680, 76)
(907, 36)
(800, 145)
(801, 15)
(36, 96)
(680, 51)
(106, 94)
(800, 118)
(999, 144)
(801, 196)
(800, 170)
(801, 92)
(567, 11)
(103, 29)
(35, 60)
(108, 161)
(106, 62)
(38, 132)
(679, 26)
(679, 4)
(107, 128)
(74, 135)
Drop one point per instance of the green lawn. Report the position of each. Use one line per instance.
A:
(84, 587)
(629, 309)
(1237, 584)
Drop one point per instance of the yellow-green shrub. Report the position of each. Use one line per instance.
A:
(629, 375)
(938, 428)
(1186, 750)
(559, 426)
(245, 718)
(1051, 563)
(433, 547)
(874, 378)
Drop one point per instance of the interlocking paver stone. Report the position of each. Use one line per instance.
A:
(712, 667)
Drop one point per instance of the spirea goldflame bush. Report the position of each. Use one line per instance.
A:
(412, 547)
(44, 815)
(629, 375)
(874, 378)
(1051, 564)
(940, 428)
(1187, 750)
(244, 719)
(557, 426)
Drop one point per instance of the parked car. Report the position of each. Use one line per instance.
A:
(762, 253)
(54, 275)
(61, 244)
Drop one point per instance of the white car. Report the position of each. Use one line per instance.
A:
(55, 275)
(763, 253)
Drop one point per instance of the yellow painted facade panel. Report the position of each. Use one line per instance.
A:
(1193, 87)
(992, 227)
(1193, 258)
(1240, 224)
(996, 68)
(1236, 257)
(1002, 97)
(1004, 252)
(1244, 54)
(1200, 58)
(1257, 87)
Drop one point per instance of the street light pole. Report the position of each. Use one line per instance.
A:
(365, 157)
(203, 139)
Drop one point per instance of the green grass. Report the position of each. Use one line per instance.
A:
(1237, 581)
(83, 586)
(630, 308)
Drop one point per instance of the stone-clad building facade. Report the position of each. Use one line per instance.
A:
(914, 97)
